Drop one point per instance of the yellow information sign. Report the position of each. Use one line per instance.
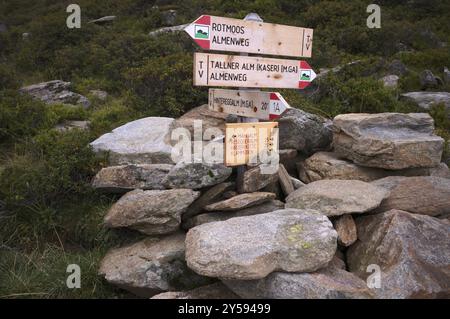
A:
(250, 143)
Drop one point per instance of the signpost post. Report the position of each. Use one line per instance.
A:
(240, 170)
(250, 35)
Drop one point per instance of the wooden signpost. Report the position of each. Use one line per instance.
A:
(227, 34)
(246, 142)
(254, 104)
(250, 142)
(246, 71)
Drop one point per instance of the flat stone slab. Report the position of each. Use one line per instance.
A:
(328, 165)
(387, 140)
(426, 195)
(144, 141)
(241, 201)
(266, 207)
(196, 175)
(152, 212)
(123, 178)
(337, 197)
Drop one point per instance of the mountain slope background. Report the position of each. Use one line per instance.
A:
(49, 215)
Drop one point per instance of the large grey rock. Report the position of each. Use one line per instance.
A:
(327, 283)
(55, 92)
(337, 197)
(425, 100)
(412, 251)
(266, 207)
(254, 180)
(303, 131)
(144, 141)
(387, 140)
(241, 201)
(151, 266)
(196, 175)
(152, 212)
(214, 291)
(123, 178)
(427, 195)
(327, 165)
(251, 247)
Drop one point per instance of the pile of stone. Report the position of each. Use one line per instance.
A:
(362, 191)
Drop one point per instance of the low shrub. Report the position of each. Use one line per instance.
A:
(20, 116)
(164, 85)
(48, 167)
(358, 95)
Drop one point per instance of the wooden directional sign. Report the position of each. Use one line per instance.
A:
(246, 71)
(248, 142)
(255, 104)
(226, 34)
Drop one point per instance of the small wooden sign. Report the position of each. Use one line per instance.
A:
(246, 71)
(227, 34)
(250, 143)
(254, 104)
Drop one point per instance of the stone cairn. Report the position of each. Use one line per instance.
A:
(359, 208)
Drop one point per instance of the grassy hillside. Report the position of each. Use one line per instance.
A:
(51, 217)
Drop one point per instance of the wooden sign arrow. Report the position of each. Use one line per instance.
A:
(226, 34)
(246, 71)
(255, 104)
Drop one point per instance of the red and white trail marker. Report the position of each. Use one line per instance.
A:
(254, 104)
(234, 35)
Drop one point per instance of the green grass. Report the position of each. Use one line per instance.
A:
(37, 245)
(42, 274)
